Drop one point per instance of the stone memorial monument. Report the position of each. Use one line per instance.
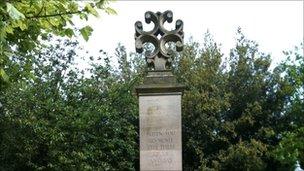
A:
(160, 96)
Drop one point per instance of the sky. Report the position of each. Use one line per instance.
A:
(274, 25)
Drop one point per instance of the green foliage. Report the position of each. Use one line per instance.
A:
(293, 69)
(291, 148)
(243, 155)
(86, 32)
(24, 23)
(13, 12)
(61, 120)
(232, 106)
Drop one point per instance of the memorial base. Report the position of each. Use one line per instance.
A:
(160, 122)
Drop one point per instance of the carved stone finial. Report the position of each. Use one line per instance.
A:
(160, 58)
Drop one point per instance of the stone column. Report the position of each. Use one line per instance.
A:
(160, 122)
(159, 96)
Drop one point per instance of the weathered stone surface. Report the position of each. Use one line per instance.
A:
(159, 82)
(160, 95)
(160, 131)
(160, 58)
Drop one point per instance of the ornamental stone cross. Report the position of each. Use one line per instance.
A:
(160, 97)
(160, 58)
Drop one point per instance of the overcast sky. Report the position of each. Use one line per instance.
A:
(274, 25)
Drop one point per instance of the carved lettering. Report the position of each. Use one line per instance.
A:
(161, 140)
(158, 161)
(153, 147)
(160, 133)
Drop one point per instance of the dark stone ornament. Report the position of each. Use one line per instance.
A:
(160, 59)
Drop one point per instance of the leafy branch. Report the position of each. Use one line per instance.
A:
(55, 15)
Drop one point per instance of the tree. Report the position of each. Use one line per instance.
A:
(203, 100)
(232, 110)
(62, 120)
(24, 23)
(290, 149)
(243, 155)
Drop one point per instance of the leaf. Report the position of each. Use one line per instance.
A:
(110, 10)
(83, 16)
(13, 12)
(91, 10)
(69, 32)
(4, 76)
(8, 53)
(9, 29)
(86, 32)
(54, 22)
(20, 24)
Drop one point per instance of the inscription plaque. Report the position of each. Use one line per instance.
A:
(160, 132)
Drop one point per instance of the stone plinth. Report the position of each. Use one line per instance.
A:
(160, 122)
